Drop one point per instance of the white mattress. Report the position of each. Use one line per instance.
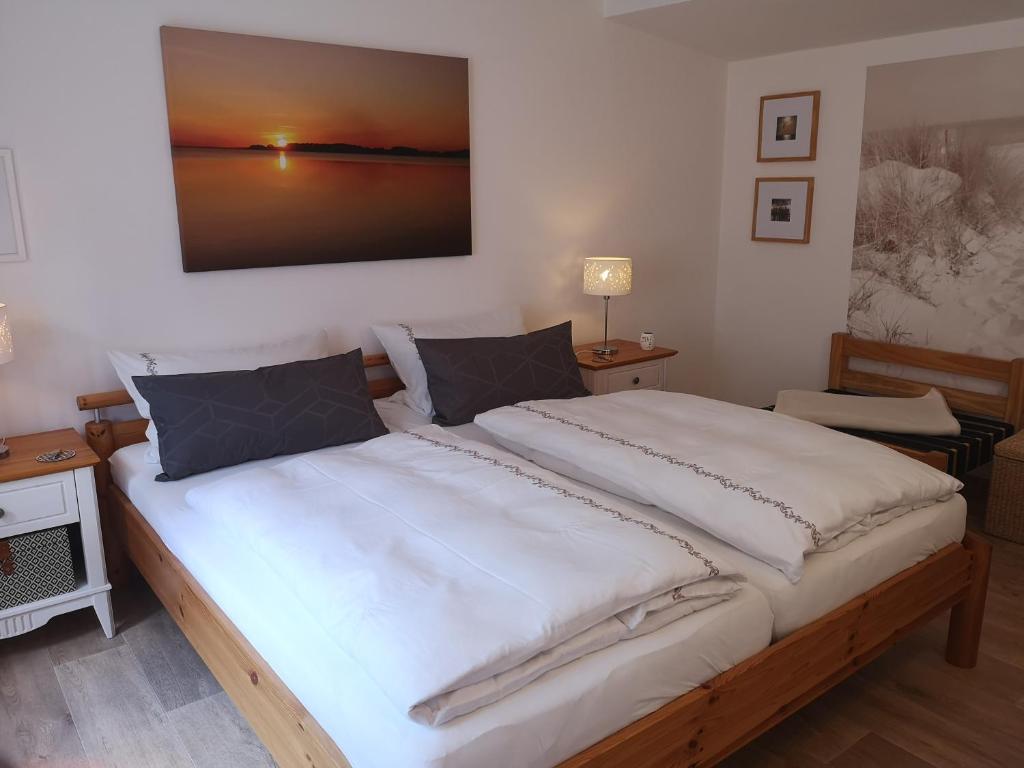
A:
(832, 578)
(551, 719)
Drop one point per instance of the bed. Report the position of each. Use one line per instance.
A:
(697, 728)
(985, 417)
(559, 714)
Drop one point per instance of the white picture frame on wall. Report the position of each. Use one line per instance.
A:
(12, 235)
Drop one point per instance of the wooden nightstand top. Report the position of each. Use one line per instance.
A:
(24, 449)
(628, 354)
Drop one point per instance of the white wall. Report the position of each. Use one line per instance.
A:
(776, 304)
(588, 138)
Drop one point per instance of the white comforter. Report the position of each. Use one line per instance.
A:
(773, 486)
(454, 573)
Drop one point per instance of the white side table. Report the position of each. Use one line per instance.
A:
(35, 496)
(630, 368)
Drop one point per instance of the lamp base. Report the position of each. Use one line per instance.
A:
(607, 351)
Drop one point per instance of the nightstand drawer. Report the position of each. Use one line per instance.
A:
(636, 377)
(38, 502)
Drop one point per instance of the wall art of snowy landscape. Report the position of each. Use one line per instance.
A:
(938, 253)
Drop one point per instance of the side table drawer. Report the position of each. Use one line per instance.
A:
(636, 377)
(38, 502)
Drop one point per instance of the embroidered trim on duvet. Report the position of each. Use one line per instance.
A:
(408, 332)
(568, 494)
(150, 363)
(728, 483)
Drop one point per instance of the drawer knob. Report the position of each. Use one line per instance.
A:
(636, 380)
(2, 513)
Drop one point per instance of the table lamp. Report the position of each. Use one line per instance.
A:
(607, 276)
(6, 355)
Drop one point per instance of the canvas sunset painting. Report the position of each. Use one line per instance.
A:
(288, 152)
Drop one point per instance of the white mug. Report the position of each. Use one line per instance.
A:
(647, 341)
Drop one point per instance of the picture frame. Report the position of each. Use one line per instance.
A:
(12, 236)
(787, 128)
(292, 152)
(782, 209)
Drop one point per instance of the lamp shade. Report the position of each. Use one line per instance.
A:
(6, 342)
(607, 276)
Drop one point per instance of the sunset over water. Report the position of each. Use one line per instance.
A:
(288, 152)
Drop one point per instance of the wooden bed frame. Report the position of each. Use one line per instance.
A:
(699, 728)
(1008, 407)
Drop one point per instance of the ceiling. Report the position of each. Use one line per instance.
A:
(745, 29)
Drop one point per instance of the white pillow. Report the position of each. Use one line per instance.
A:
(399, 340)
(926, 415)
(127, 364)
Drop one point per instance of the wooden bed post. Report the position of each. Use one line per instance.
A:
(99, 434)
(1015, 394)
(967, 616)
(837, 361)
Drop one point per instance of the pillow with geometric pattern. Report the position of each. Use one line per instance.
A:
(470, 376)
(127, 365)
(210, 420)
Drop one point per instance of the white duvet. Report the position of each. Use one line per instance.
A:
(455, 573)
(772, 486)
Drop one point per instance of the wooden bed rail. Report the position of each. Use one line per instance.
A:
(98, 400)
(380, 387)
(1009, 408)
(709, 723)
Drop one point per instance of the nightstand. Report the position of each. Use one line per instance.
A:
(631, 368)
(36, 498)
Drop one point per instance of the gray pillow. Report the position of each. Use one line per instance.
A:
(210, 420)
(470, 376)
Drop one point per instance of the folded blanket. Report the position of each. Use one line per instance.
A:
(455, 573)
(926, 415)
(772, 486)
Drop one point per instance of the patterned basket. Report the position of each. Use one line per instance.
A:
(34, 566)
(1005, 515)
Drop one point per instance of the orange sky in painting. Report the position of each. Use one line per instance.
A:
(227, 90)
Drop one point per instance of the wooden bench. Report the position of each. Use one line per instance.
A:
(1008, 408)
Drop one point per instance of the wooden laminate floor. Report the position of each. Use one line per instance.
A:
(70, 698)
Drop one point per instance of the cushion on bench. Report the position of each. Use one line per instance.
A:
(972, 448)
(927, 415)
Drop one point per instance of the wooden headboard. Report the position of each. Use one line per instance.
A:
(106, 436)
(1009, 407)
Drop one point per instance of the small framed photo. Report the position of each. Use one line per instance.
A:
(788, 127)
(12, 238)
(782, 209)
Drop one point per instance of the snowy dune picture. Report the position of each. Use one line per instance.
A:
(938, 254)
